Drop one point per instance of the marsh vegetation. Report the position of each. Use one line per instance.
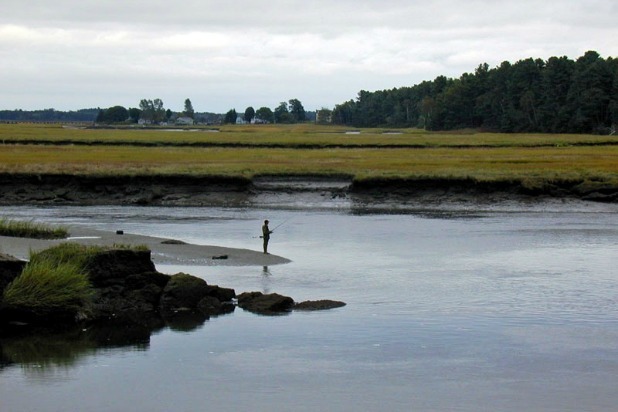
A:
(248, 151)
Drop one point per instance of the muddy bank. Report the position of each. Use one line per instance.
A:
(184, 190)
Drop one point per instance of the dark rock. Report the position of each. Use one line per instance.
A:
(173, 242)
(118, 263)
(269, 304)
(318, 305)
(140, 280)
(221, 257)
(222, 294)
(134, 298)
(183, 291)
(10, 268)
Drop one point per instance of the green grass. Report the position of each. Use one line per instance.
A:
(292, 136)
(56, 280)
(29, 229)
(74, 253)
(309, 149)
(45, 287)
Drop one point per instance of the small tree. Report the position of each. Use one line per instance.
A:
(230, 117)
(282, 114)
(249, 114)
(152, 110)
(264, 114)
(189, 112)
(297, 111)
(115, 114)
(134, 114)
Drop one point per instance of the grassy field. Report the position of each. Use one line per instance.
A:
(307, 149)
(286, 136)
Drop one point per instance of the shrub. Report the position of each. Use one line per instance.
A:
(46, 286)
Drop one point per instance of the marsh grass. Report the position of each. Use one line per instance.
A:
(29, 229)
(56, 280)
(498, 163)
(309, 149)
(75, 253)
(292, 136)
(45, 287)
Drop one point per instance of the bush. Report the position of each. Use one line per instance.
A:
(63, 253)
(46, 286)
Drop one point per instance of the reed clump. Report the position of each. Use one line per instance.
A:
(55, 281)
(45, 287)
(30, 229)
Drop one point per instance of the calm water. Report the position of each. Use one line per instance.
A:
(510, 309)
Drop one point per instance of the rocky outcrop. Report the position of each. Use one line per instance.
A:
(110, 265)
(186, 292)
(268, 304)
(128, 290)
(273, 303)
(10, 268)
(324, 304)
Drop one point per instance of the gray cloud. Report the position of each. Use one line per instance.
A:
(70, 54)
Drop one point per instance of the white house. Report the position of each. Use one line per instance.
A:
(184, 121)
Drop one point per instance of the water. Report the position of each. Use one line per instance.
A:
(506, 309)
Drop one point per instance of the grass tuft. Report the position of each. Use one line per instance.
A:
(46, 287)
(29, 229)
(56, 280)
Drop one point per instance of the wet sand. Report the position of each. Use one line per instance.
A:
(162, 253)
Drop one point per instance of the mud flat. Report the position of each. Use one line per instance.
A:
(164, 251)
(184, 190)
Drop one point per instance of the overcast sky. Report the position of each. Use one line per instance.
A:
(68, 55)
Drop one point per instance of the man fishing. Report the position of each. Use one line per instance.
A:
(266, 235)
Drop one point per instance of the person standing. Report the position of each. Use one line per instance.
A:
(266, 235)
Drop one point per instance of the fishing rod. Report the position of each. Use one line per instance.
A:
(278, 226)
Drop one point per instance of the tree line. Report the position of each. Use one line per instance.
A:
(48, 115)
(559, 95)
(291, 111)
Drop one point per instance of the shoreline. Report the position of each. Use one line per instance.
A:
(161, 253)
(190, 190)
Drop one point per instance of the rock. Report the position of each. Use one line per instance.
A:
(133, 300)
(220, 257)
(222, 294)
(183, 291)
(269, 304)
(10, 268)
(318, 305)
(173, 242)
(113, 264)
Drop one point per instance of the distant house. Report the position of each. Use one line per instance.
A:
(240, 120)
(184, 121)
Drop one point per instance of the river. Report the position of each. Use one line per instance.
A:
(510, 308)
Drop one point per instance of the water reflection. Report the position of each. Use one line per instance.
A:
(42, 349)
(265, 279)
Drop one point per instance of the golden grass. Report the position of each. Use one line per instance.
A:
(481, 163)
(307, 149)
(287, 135)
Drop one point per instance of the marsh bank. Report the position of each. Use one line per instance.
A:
(190, 190)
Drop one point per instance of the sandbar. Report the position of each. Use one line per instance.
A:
(162, 253)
